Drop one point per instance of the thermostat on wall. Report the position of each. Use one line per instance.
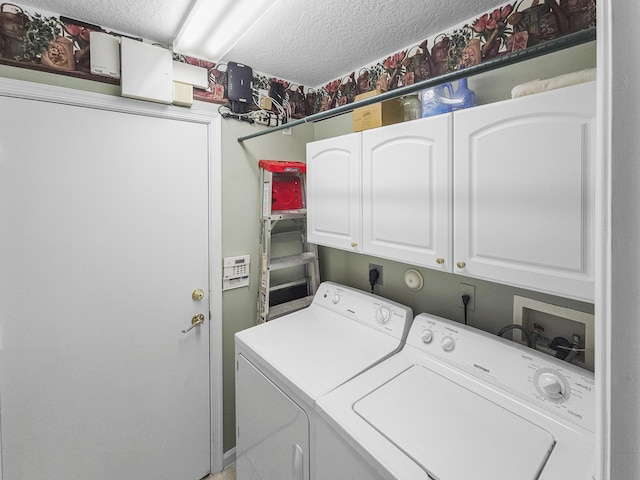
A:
(236, 272)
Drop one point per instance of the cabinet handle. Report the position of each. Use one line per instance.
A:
(461, 264)
(440, 261)
(354, 244)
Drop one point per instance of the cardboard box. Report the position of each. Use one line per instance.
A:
(377, 114)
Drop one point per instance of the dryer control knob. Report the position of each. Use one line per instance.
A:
(427, 336)
(383, 315)
(335, 298)
(552, 385)
(448, 344)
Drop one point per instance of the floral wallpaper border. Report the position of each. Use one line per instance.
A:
(508, 28)
(44, 41)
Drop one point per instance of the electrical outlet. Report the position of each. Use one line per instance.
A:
(377, 267)
(465, 288)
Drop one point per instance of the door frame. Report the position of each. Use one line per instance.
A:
(201, 113)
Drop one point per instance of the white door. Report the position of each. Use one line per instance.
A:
(334, 182)
(406, 192)
(524, 189)
(104, 223)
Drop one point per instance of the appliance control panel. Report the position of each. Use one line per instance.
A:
(372, 310)
(552, 384)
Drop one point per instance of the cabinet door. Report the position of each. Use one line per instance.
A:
(523, 191)
(333, 192)
(406, 198)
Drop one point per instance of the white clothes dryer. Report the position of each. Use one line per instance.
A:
(459, 404)
(285, 365)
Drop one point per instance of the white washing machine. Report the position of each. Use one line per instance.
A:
(459, 404)
(285, 365)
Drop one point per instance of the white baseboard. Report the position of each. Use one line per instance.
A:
(229, 458)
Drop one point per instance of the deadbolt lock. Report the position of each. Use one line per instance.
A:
(198, 294)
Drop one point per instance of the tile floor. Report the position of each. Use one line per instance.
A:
(228, 473)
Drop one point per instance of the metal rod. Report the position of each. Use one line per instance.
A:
(550, 46)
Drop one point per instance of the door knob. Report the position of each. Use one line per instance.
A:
(197, 319)
(440, 261)
(461, 264)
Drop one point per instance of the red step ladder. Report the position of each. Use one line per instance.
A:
(289, 269)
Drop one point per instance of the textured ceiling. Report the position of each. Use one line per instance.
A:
(157, 20)
(316, 41)
(305, 41)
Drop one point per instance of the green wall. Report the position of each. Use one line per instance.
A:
(241, 196)
(58, 80)
(496, 85)
(440, 293)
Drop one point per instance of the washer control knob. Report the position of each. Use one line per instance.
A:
(383, 315)
(427, 336)
(552, 385)
(335, 298)
(448, 344)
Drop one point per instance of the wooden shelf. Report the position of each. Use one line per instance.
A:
(73, 73)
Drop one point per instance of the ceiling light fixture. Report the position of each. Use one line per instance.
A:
(214, 27)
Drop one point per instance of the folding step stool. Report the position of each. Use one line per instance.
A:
(289, 270)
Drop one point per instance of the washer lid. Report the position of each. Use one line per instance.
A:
(452, 432)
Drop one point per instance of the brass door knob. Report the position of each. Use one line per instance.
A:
(440, 261)
(354, 244)
(461, 264)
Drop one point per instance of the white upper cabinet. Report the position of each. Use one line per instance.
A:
(406, 192)
(524, 190)
(334, 211)
(502, 192)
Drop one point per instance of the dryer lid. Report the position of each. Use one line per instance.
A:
(452, 432)
(314, 350)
